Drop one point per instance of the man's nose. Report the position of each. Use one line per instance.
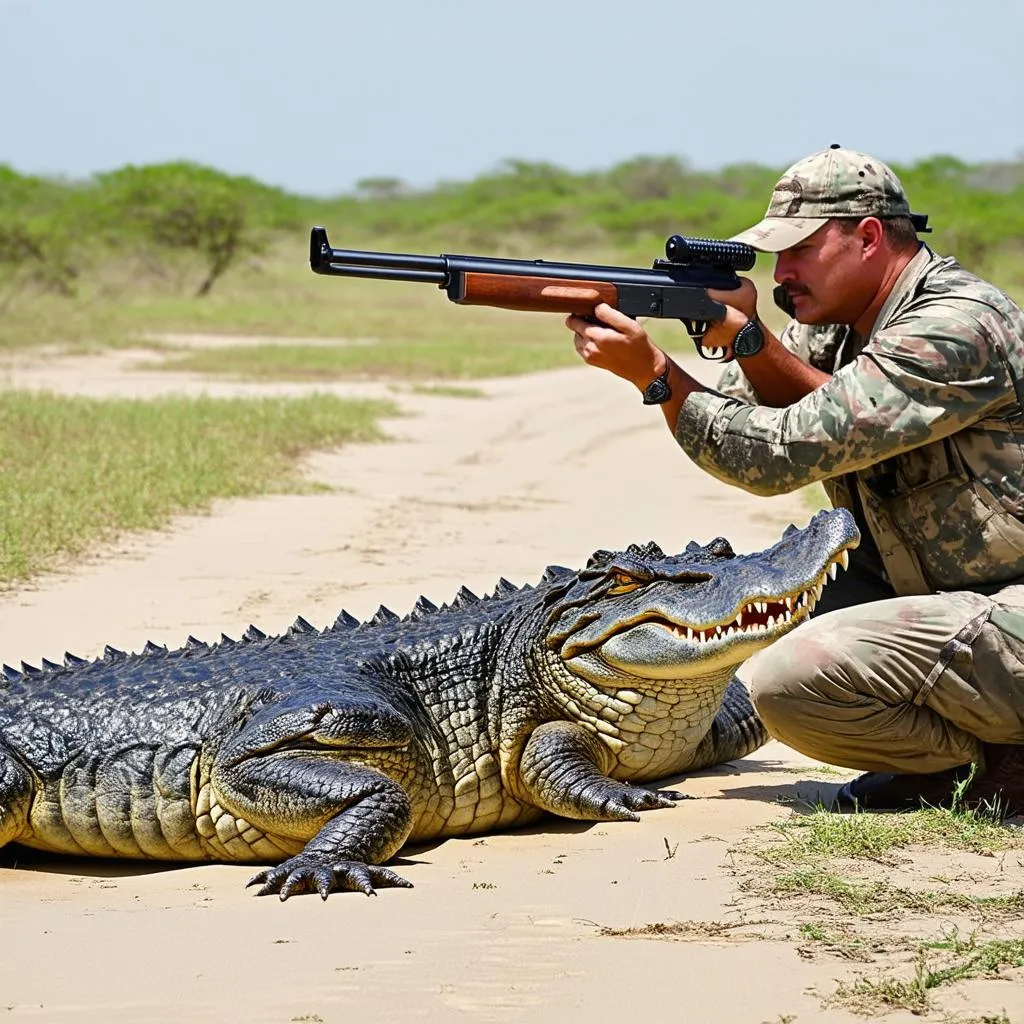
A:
(783, 269)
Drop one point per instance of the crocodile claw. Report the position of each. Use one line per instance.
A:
(304, 873)
(616, 801)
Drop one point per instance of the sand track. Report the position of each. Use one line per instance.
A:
(502, 928)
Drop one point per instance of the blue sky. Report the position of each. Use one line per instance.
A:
(315, 95)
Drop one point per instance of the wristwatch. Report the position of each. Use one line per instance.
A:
(658, 390)
(749, 340)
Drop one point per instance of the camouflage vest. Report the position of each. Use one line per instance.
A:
(947, 514)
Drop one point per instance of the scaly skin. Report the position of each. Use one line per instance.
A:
(323, 753)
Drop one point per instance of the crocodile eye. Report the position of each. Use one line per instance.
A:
(622, 583)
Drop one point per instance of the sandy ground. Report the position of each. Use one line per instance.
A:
(500, 928)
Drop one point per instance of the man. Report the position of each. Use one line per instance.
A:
(899, 384)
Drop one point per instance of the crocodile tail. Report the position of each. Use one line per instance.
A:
(736, 731)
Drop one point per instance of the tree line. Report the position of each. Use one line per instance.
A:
(188, 225)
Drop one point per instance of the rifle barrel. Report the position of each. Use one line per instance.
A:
(385, 273)
(444, 270)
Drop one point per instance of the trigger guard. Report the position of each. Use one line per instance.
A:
(696, 330)
(707, 358)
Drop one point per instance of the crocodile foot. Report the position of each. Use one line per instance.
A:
(618, 802)
(307, 873)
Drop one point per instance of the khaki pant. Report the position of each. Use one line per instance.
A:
(905, 684)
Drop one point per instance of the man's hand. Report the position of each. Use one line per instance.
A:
(740, 307)
(618, 344)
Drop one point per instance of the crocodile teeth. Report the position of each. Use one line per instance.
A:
(833, 570)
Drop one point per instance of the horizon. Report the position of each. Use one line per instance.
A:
(411, 189)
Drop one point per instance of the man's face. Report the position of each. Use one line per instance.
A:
(827, 276)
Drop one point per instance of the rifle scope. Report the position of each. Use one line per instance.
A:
(734, 255)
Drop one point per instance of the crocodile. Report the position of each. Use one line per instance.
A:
(321, 753)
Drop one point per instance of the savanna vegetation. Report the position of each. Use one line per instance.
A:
(176, 247)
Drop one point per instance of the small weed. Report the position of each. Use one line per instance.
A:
(675, 930)
(841, 940)
(484, 885)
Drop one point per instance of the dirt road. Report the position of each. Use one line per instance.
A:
(502, 928)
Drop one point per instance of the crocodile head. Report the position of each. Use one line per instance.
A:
(643, 614)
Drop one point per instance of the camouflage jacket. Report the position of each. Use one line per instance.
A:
(920, 433)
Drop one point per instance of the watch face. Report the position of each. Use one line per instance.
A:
(657, 391)
(750, 339)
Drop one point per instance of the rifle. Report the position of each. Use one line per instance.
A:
(675, 287)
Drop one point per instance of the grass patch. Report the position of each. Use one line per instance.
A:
(446, 391)
(823, 834)
(77, 471)
(837, 881)
(394, 359)
(877, 897)
(957, 961)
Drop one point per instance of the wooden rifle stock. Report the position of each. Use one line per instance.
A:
(535, 294)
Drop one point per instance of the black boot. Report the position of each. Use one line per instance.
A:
(1000, 787)
(882, 791)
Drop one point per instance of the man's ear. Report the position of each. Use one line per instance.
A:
(871, 233)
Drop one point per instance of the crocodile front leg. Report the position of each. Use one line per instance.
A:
(351, 816)
(15, 798)
(564, 769)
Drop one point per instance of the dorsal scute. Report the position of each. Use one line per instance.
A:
(301, 626)
(51, 666)
(153, 649)
(464, 597)
(12, 675)
(422, 609)
(504, 588)
(113, 654)
(73, 661)
(194, 645)
(227, 641)
(345, 621)
(382, 615)
(30, 670)
(253, 634)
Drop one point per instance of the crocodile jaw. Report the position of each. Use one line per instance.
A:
(661, 650)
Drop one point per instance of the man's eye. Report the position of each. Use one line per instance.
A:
(622, 584)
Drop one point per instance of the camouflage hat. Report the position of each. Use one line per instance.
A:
(833, 183)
